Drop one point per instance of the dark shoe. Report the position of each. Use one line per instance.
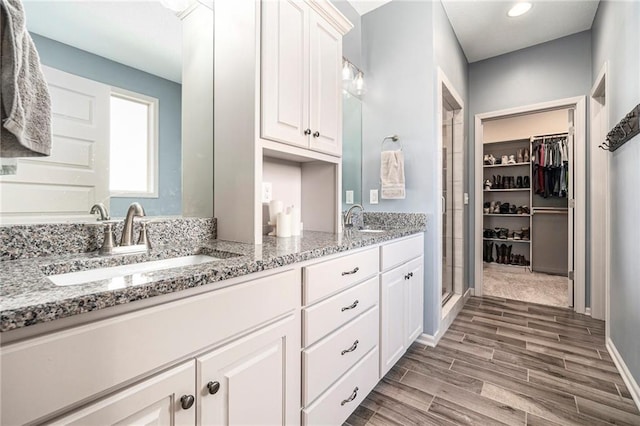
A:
(498, 182)
(508, 254)
(519, 182)
(526, 182)
(504, 208)
(498, 255)
(512, 209)
(490, 254)
(525, 234)
(503, 234)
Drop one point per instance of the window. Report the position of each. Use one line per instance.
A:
(133, 159)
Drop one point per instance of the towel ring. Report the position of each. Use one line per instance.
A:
(393, 138)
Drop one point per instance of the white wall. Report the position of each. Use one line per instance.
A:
(616, 31)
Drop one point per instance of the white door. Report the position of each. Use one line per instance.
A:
(254, 380)
(414, 301)
(156, 401)
(75, 176)
(285, 72)
(325, 108)
(571, 209)
(392, 318)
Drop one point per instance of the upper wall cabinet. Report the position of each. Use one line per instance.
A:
(300, 76)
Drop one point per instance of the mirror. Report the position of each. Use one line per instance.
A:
(130, 45)
(351, 149)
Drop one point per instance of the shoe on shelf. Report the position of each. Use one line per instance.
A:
(498, 184)
(526, 233)
(519, 182)
(525, 209)
(503, 233)
(526, 182)
(510, 235)
(512, 159)
(526, 157)
(487, 185)
(505, 159)
(504, 208)
(486, 160)
(512, 209)
(519, 156)
(492, 159)
(490, 251)
(517, 235)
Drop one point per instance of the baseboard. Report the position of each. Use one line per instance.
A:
(472, 291)
(634, 389)
(587, 311)
(432, 340)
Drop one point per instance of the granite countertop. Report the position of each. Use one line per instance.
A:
(28, 297)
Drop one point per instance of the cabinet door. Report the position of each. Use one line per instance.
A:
(392, 318)
(254, 380)
(285, 72)
(325, 108)
(415, 299)
(155, 401)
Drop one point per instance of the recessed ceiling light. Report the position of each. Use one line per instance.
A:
(519, 8)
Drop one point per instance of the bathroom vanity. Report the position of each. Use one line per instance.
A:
(296, 330)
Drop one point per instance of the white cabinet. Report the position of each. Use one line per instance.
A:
(254, 380)
(155, 401)
(401, 299)
(341, 335)
(301, 55)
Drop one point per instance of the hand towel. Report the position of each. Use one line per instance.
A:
(25, 109)
(392, 175)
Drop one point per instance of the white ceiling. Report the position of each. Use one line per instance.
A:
(140, 34)
(484, 30)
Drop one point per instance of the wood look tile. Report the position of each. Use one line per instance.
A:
(538, 407)
(505, 362)
(533, 420)
(607, 413)
(460, 396)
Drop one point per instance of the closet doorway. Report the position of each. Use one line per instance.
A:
(530, 169)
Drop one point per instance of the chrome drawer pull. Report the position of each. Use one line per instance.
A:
(351, 398)
(353, 305)
(351, 349)
(356, 269)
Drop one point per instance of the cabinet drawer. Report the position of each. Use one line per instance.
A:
(330, 358)
(326, 316)
(335, 405)
(394, 254)
(328, 277)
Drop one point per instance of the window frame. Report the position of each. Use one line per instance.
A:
(153, 124)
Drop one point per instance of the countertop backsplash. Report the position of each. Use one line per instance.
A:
(29, 241)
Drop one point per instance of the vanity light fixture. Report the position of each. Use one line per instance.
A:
(352, 78)
(519, 9)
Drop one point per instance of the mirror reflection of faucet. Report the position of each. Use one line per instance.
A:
(109, 245)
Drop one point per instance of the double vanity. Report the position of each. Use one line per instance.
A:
(295, 330)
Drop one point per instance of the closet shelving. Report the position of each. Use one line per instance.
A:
(517, 196)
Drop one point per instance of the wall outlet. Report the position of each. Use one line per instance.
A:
(373, 196)
(267, 192)
(349, 197)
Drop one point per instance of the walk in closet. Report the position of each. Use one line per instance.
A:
(526, 192)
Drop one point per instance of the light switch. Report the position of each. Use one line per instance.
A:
(373, 196)
(349, 197)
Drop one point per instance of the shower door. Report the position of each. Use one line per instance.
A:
(447, 204)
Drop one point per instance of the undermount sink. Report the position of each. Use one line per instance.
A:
(81, 277)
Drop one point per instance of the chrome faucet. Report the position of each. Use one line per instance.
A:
(348, 216)
(100, 208)
(135, 209)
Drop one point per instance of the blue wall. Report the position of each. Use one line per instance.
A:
(549, 71)
(616, 31)
(87, 65)
(403, 44)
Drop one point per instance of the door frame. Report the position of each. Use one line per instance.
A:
(579, 104)
(599, 198)
(448, 312)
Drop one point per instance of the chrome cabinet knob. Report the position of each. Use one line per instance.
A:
(213, 387)
(187, 401)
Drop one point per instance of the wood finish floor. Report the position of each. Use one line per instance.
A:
(505, 362)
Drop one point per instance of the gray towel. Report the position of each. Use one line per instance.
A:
(25, 106)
